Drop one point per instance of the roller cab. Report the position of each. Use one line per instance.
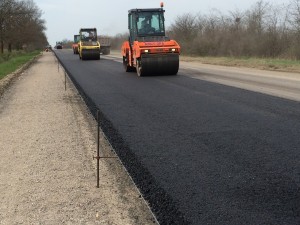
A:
(148, 50)
(88, 45)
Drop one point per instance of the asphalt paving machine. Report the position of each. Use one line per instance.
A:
(149, 51)
(88, 45)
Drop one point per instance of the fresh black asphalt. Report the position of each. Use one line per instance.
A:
(200, 152)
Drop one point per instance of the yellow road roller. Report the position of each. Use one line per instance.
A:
(88, 45)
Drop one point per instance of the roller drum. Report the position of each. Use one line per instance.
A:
(159, 64)
(91, 54)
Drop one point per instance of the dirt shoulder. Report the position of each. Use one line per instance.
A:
(48, 175)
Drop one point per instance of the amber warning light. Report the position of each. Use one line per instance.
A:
(161, 4)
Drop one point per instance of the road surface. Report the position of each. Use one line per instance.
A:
(201, 152)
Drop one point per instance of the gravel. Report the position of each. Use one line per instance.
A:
(48, 140)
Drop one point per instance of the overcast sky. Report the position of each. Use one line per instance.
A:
(64, 18)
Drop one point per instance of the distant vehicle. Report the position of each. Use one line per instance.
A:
(75, 43)
(59, 45)
(48, 48)
(104, 45)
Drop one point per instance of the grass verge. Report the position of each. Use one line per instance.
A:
(259, 63)
(15, 62)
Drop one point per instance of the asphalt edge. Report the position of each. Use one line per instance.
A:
(161, 204)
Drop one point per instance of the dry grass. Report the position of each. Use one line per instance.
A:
(259, 63)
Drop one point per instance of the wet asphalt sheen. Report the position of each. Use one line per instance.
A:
(201, 153)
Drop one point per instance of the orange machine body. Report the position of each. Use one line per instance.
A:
(75, 43)
(148, 48)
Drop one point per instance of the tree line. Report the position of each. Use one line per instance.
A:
(264, 30)
(21, 26)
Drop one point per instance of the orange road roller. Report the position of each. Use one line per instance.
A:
(148, 50)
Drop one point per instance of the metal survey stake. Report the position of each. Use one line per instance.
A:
(65, 81)
(98, 157)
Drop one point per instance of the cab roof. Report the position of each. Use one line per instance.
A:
(146, 10)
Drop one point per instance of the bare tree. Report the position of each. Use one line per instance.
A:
(295, 13)
(265, 30)
(117, 40)
(6, 9)
(295, 27)
(21, 23)
(184, 29)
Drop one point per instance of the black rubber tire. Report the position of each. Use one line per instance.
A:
(126, 66)
(139, 68)
(107, 51)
